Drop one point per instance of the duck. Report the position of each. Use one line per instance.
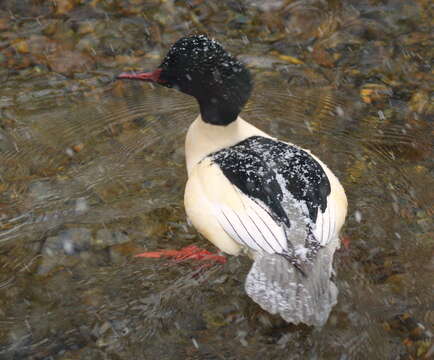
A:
(251, 194)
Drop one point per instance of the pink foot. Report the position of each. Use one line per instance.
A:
(191, 252)
(345, 240)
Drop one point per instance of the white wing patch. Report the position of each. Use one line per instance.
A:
(326, 228)
(253, 228)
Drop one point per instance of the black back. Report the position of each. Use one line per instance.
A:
(263, 168)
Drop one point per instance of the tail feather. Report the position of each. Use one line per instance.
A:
(280, 288)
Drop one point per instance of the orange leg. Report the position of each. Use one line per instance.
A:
(191, 252)
(345, 240)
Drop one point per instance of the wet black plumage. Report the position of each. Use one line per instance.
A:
(254, 164)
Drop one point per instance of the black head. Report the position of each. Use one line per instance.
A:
(200, 67)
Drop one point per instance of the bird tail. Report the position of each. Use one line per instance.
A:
(280, 288)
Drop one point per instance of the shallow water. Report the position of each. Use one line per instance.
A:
(92, 172)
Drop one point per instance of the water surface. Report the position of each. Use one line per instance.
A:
(92, 172)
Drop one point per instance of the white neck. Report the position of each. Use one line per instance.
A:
(203, 138)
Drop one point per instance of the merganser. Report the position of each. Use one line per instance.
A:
(249, 193)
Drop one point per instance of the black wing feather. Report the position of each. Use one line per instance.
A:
(256, 164)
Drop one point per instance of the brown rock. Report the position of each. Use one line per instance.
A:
(64, 6)
(68, 62)
(323, 57)
(4, 24)
(420, 102)
(371, 93)
(21, 46)
(40, 45)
